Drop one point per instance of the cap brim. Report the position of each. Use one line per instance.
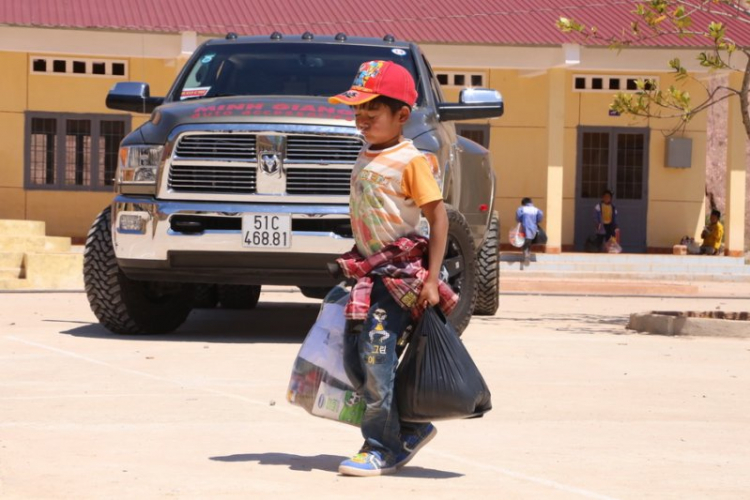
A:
(352, 98)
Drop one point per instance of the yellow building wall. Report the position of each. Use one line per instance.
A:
(518, 143)
(66, 213)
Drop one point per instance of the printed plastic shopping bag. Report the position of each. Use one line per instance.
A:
(516, 236)
(437, 379)
(319, 383)
(612, 246)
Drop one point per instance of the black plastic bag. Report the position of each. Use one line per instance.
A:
(437, 379)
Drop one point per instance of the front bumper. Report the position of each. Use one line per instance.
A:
(214, 253)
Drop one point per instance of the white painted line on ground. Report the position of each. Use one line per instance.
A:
(520, 475)
(149, 375)
(479, 465)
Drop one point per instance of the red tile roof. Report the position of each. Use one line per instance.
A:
(502, 22)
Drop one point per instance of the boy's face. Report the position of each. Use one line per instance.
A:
(714, 219)
(607, 198)
(379, 125)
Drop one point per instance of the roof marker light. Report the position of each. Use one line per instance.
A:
(231, 36)
(276, 36)
(389, 38)
(307, 35)
(340, 37)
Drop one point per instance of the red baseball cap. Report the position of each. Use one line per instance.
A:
(376, 78)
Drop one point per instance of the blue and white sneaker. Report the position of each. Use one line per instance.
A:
(412, 443)
(367, 463)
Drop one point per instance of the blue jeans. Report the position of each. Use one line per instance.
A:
(371, 358)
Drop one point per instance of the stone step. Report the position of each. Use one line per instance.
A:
(625, 258)
(35, 244)
(10, 227)
(54, 270)
(624, 267)
(10, 272)
(14, 284)
(57, 244)
(11, 259)
(531, 273)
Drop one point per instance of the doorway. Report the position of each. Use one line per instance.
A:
(614, 158)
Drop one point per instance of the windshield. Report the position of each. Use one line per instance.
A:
(288, 69)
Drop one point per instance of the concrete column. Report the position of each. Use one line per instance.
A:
(555, 153)
(734, 213)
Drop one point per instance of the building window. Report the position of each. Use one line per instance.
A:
(69, 151)
(596, 83)
(613, 159)
(477, 133)
(78, 66)
(42, 150)
(461, 78)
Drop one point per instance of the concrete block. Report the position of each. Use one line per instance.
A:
(57, 244)
(11, 259)
(14, 284)
(54, 270)
(10, 272)
(22, 243)
(677, 323)
(10, 227)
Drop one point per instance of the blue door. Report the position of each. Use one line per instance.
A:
(614, 158)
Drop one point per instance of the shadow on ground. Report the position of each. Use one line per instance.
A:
(327, 463)
(270, 322)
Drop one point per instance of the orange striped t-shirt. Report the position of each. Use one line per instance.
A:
(388, 187)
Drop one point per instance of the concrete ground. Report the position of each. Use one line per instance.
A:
(582, 407)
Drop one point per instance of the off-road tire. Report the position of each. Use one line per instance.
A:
(206, 296)
(488, 271)
(123, 305)
(461, 244)
(239, 296)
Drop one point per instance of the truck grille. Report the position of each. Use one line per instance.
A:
(217, 147)
(227, 163)
(322, 150)
(213, 179)
(318, 181)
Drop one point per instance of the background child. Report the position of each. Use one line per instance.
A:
(392, 184)
(712, 235)
(529, 216)
(605, 218)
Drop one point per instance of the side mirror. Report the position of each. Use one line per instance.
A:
(132, 96)
(473, 103)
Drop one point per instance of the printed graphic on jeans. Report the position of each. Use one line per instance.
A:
(378, 335)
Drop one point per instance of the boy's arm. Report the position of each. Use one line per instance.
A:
(438, 219)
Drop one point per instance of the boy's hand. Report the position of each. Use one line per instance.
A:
(429, 296)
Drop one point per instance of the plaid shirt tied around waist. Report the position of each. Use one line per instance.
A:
(400, 265)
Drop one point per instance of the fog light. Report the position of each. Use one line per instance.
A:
(132, 223)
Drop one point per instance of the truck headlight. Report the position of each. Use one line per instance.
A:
(138, 168)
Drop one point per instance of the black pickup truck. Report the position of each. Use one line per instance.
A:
(240, 178)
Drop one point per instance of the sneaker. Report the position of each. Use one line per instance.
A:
(412, 443)
(366, 464)
(526, 257)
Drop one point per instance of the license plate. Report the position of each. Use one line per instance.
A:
(267, 230)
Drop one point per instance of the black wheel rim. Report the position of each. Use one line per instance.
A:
(454, 264)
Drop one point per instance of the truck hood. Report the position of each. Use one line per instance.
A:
(304, 111)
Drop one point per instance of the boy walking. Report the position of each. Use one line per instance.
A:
(392, 184)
